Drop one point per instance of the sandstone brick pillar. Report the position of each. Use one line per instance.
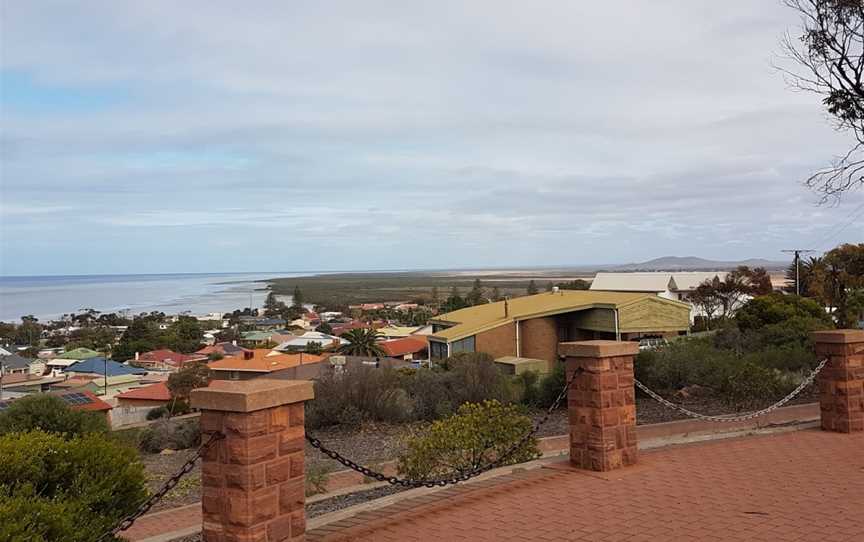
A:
(602, 404)
(253, 480)
(841, 382)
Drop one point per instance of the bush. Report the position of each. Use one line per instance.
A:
(167, 434)
(551, 385)
(156, 413)
(529, 388)
(477, 434)
(54, 488)
(317, 477)
(51, 415)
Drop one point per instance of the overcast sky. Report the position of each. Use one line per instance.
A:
(196, 136)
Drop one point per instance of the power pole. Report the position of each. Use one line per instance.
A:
(797, 252)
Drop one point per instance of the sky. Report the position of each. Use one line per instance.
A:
(221, 136)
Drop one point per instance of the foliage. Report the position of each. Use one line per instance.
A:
(476, 435)
(828, 60)
(143, 335)
(723, 297)
(324, 327)
(314, 347)
(50, 414)
(532, 288)
(476, 296)
(317, 477)
(71, 490)
(551, 385)
(359, 393)
(170, 434)
(191, 376)
(362, 342)
(776, 309)
(529, 388)
(575, 284)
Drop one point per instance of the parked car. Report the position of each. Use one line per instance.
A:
(652, 343)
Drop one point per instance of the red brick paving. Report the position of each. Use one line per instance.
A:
(165, 521)
(804, 485)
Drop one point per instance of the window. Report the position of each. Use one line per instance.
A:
(234, 375)
(437, 350)
(465, 345)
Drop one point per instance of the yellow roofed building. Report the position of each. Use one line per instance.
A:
(532, 326)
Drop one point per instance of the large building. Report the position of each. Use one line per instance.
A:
(532, 326)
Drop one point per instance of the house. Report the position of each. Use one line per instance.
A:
(301, 343)
(677, 286)
(81, 400)
(97, 384)
(408, 348)
(258, 363)
(27, 383)
(165, 359)
(532, 326)
(397, 332)
(253, 339)
(338, 330)
(58, 364)
(223, 349)
(153, 395)
(101, 367)
(15, 364)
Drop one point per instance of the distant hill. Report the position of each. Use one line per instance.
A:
(692, 263)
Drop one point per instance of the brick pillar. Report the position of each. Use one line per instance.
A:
(602, 404)
(841, 383)
(253, 480)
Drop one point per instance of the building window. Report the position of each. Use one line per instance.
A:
(234, 375)
(437, 350)
(465, 345)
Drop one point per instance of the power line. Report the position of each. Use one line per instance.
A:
(844, 223)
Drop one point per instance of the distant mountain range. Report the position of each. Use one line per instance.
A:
(691, 263)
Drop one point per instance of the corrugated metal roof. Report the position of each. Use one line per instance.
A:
(482, 317)
(652, 281)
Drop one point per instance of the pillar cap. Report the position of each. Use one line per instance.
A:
(838, 336)
(251, 395)
(598, 349)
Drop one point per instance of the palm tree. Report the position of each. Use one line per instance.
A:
(362, 342)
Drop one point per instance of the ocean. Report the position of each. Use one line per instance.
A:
(48, 297)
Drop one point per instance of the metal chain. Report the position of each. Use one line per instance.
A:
(455, 478)
(169, 484)
(735, 417)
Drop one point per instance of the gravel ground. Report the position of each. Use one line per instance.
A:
(160, 467)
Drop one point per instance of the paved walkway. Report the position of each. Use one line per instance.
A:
(805, 485)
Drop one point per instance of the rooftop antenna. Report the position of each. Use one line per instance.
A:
(797, 252)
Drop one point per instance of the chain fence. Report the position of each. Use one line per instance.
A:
(808, 380)
(456, 477)
(169, 484)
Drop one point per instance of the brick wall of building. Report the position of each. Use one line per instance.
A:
(497, 342)
(539, 339)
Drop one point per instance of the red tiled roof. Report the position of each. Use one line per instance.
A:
(95, 405)
(154, 392)
(264, 360)
(165, 355)
(403, 346)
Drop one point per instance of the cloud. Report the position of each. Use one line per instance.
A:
(303, 134)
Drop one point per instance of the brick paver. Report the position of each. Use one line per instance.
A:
(166, 521)
(804, 485)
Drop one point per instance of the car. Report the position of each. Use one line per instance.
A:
(652, 343)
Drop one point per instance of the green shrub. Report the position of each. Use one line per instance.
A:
(528, 383)
(157, 413)
(168, 434)
(54, 488)
(317, 477)
(551, 386)
(51, 415)
(477, 434)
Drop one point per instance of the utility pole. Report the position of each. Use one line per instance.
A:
(797, 252)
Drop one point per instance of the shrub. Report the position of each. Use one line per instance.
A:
(528, 383)
(317, 477)
(167, 434)
(157, 413)
(551, 385)
(477, 434)
(54, 488)
(51, 415)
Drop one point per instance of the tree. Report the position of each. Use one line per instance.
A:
(28, 332)
(297, 299)
(324, 327)
(73, 490)
(475, 296)
(549, 286)
(575, 284)
(435, 297)
(705, 298)
(362, 342)
(846, 275)
(184, 335)
(532, 287)
(50, 414)
(142, 335)
(476, 435)
(496, 294)
(454, 302)
(314, 347)
(190, 377)
(828, 60)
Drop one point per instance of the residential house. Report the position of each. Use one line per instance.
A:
(301, 342)
(678, 286)
(165, 359)
(27, 383)
(15, 364)
(258, 363)
(102, 367)
(77, 400)
(97, 384)
(58, 364)
(134, 405)
(397, 332)
(340, 329)
(532, 326)
(223, 349)
(408, 348)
